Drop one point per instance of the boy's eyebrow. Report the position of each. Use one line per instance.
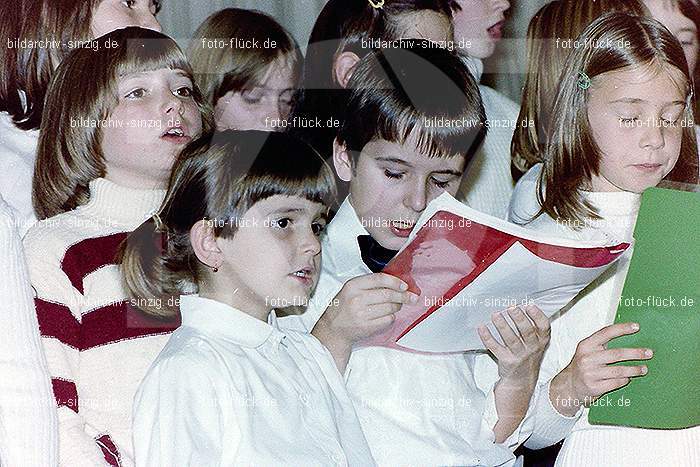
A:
(456, 173)
(286, 211)
(395, 160)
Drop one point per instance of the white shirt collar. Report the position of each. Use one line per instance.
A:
(475, 66)
(340, 246)
(212, 317)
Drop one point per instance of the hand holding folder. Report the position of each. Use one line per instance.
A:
(662, 294)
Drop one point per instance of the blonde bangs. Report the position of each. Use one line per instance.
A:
(147, 54)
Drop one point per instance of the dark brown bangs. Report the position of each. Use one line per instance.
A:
(226, 173)
(389, 101)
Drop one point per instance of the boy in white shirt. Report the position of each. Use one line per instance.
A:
(415, 409)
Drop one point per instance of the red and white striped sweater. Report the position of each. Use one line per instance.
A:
(98, 347)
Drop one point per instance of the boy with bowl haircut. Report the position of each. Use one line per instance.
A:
(412, 122)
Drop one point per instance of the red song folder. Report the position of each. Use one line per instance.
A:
(465, 265)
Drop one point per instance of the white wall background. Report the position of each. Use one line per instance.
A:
(180, 19)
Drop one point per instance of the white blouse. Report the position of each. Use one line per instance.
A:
(229, 389)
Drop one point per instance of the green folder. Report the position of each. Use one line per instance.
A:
(662, 294)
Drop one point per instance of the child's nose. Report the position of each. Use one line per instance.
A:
(653, 137)
(311, 244)
(172, 105)
(501, 5)
(416, 197)
(273, 113)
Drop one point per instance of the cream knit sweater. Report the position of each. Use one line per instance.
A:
(98, 347)
(593, 309)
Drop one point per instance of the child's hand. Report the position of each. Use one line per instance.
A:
(364, 306)
(519, 359)
(590, 375)
(520, 355)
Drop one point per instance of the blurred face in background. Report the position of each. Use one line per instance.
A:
(479, 23)
(668, 13)
(109, 15)
(262, 106)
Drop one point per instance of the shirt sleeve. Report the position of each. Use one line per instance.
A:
(486, 372)
(58, 310)
(28, 426)
(550, 426)
(178, 418)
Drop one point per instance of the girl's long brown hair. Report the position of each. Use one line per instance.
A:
(563, 20)
(84, 86)
(572, 157)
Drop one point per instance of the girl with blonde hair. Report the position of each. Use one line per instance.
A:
(625, 124)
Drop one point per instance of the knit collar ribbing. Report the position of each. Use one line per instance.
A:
(119, 204)
(17, 140)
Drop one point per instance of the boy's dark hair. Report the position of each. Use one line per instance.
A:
(422, 90)
(342, 26)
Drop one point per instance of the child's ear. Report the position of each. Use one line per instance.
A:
(341, 161)
(204, 243)
(343, 66)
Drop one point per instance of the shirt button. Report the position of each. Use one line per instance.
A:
(337, 458)
(304, 399)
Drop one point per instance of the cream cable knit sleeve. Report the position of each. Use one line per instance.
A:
(28, 426)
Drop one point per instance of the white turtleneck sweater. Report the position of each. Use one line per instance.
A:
(27, 416)
(593, 309)
(487, 184)
(17, 157)
(98, 348)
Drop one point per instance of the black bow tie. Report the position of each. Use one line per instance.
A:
(374, 255)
